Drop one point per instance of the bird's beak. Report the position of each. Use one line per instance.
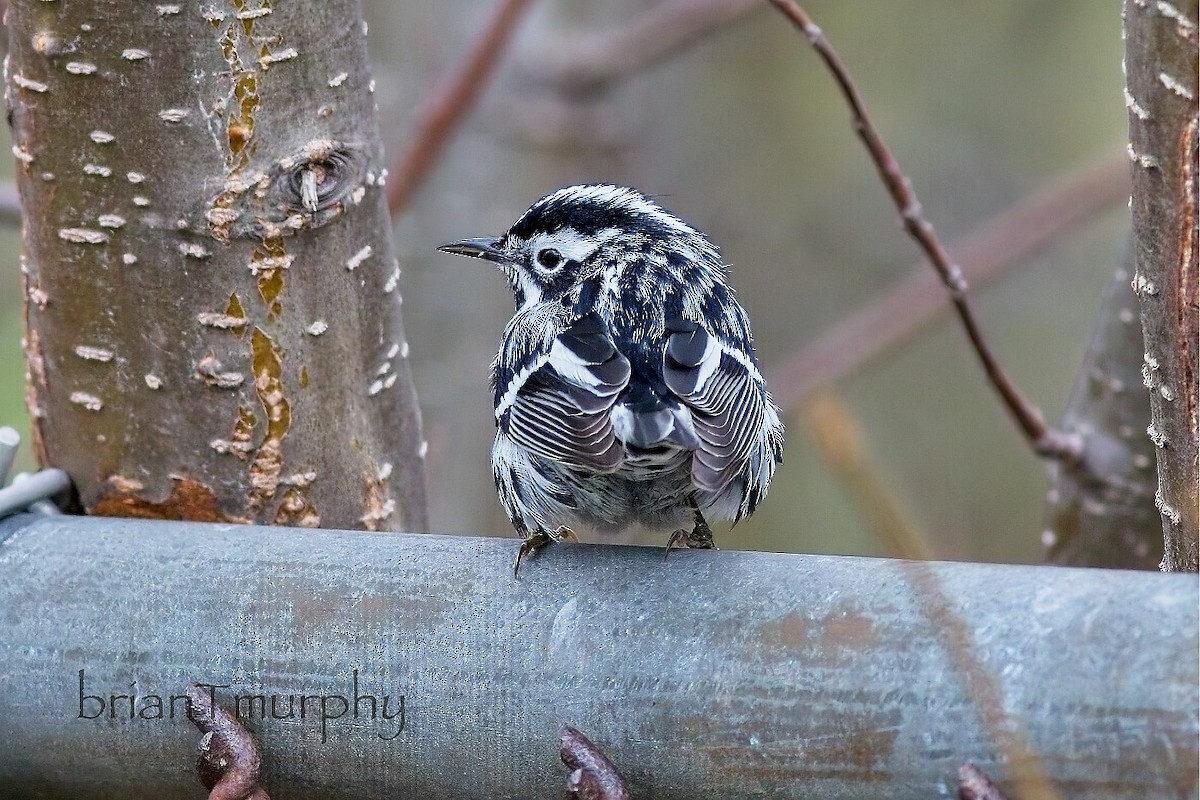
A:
(484, 248)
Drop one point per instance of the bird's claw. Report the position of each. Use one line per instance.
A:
(563, 534)
(699, 538)
(540, 539)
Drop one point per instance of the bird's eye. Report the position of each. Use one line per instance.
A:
(549, 258)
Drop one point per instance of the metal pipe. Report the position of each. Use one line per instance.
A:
(712, 674)
(32, 488)
(9, 441)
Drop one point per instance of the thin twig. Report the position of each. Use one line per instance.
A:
(838, 431)
(593, 776)
(592, 62)
(878, 502)
(974, 784)
(450, 105)
(229, 765)
(1001, 242)
(840, 442)
(1044, 440)
(1026, 770)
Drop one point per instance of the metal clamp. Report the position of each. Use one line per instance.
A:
(29, 491)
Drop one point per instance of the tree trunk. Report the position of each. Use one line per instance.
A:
(213, 322)
(1100, 509)
(1161, 87)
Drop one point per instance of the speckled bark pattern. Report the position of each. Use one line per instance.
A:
(1160, 94)
(212, 291)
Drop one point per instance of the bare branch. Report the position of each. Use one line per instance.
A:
(450, 105)
(229, 765)
(592, 62)
(1026, 768)
(999, 243)
(877, 501)
(840, 441)
(593, 776)
(1044, 440)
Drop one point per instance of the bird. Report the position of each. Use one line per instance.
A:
(626, 388)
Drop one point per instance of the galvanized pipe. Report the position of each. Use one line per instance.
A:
(712, 674)
(29, 489)
(9, 439)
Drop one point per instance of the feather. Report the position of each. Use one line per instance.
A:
(560, 407)
(727, 401)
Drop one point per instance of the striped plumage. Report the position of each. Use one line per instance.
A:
(626, 387)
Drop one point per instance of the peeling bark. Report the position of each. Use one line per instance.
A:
(1100, 508)
(213, 319)
(1161, 91)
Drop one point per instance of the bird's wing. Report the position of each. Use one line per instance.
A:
(559, 405)
(723, 388)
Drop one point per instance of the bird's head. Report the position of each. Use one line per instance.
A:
(572, 234)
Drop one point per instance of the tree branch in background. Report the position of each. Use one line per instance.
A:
(842, 446)
(590, 63)
(593, 776)
(999, 243)
(840, 443)
(450, 104)
(229, 766)
(1100, 509)
(1044, 440)
(1160, 93)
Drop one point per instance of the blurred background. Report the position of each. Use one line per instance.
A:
(744, 135)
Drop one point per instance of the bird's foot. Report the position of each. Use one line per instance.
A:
(564, 534)
(540, 539)
(698, 538)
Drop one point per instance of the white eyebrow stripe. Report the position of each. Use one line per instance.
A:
(570, 244)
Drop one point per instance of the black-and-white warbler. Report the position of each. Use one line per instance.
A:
(626, 387)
